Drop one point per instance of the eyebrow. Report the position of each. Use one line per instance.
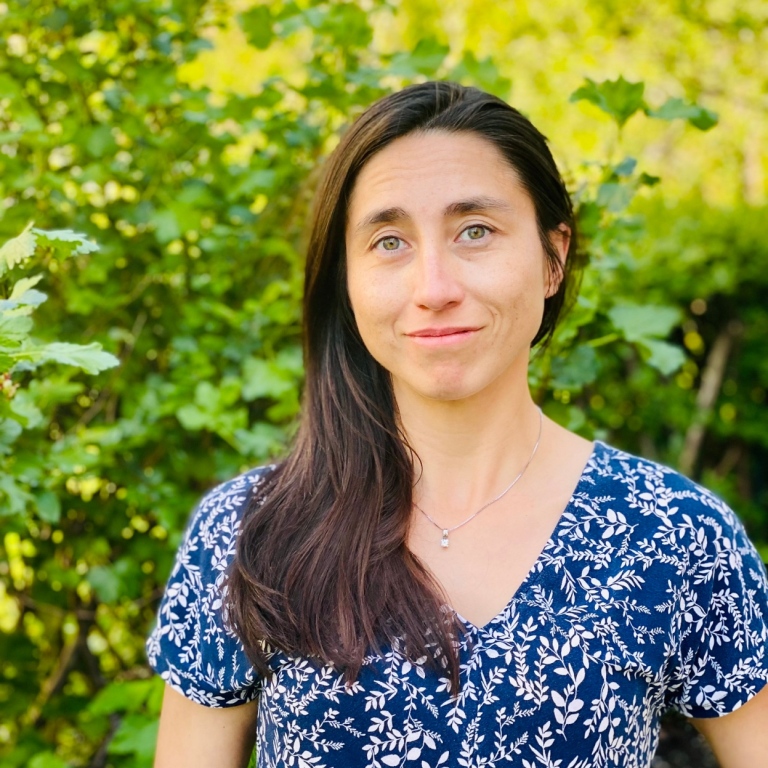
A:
(459, 208)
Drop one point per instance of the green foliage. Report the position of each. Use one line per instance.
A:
(619, 98)
(199, 203)
(20, 352)
(607, 322)
(622, 99)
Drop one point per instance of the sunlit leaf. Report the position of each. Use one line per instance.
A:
(67, 242)
(665, 357)
(637, 322)
(89, 357)
(18, 249)
(619, 98)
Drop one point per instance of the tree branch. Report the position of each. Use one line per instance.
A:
(711, 381)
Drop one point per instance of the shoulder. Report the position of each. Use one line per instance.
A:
(647, 488)
(215, 521)
(675, 520)
(229, 500)
(702, 579)
(670, 516)
(192, 647)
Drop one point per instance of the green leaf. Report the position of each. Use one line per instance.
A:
(14, 330)
(18, 249)
(425, 59)
(482, 73)
(30, 298)
(705, 120)
(647, 180)
(13, 498)
(10, 429)
(618, 98)
(259, 181)
(105, 582)
(678, 109)
(24, 285)
(579, 367)
(207, 396)
(193, 418)
(639, 322)
(89, 357)
(262, 441)
(123, 696)
(615, 197)
(262, 378)
(347, 25)
(166, 226)
(24, 407)
(47, 760)
(48, 506)
(137, 735)
(257, 25)
(666, 358)
(647, 326)
(99, 141)
(626, 167)
(9, 87)
(66, 242)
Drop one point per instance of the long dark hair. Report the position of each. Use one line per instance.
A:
(322, 568)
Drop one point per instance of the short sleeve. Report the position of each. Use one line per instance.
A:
(191, 647)
(723, 622)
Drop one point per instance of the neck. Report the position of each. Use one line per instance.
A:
(468, 450)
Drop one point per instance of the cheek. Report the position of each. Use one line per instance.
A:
(373, 305)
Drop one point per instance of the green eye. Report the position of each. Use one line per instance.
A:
(476, 233)
(390, 243)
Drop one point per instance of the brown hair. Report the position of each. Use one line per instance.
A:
(322, 568)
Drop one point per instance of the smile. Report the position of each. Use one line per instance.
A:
(439, 337)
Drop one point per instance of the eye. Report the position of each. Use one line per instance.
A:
(476, 232)
(389, 243)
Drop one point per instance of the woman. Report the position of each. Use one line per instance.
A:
(437, 574)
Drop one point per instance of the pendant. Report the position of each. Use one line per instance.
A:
(444, 540)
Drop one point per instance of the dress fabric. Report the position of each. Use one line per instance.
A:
(647, 596)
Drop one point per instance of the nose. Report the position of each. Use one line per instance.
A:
(436, 279)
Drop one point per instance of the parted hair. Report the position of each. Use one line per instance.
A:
(322, 568)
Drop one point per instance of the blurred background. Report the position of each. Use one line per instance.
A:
(165, 152)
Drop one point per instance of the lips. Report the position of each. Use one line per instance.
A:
(438, 332)
(442, 338)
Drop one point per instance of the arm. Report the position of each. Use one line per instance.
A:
(740, 740)
(194, 736)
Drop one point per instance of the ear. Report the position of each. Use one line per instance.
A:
(561, 240)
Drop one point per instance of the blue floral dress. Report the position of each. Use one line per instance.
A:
(648, 595)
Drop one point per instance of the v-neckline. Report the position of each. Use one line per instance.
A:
(534, 573)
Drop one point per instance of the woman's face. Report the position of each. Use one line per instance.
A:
(446, 272)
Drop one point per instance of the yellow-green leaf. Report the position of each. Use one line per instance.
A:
(23, 285)
(17, 250)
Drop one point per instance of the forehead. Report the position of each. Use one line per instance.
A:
(433, 168)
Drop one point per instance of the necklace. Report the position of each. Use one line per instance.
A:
(444, 540)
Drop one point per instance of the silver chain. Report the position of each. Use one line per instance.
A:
(444, 541)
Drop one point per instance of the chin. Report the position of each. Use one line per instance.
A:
(446, 391)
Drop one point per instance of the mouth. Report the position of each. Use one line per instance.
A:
(441, 336)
